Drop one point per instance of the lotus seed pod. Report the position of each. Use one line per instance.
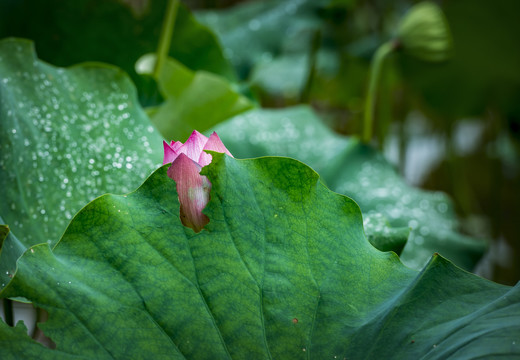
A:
(424, 33)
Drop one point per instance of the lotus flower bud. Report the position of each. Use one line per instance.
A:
(424, 33)
(193, 189)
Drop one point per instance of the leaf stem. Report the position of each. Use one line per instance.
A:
(375, 74)
(166, 36)
(315, 46)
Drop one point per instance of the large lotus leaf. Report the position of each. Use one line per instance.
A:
(112, 31)
(66, 137)
(193, 100)
(351, 168)
(282, 271)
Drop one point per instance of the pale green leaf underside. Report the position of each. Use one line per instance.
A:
(282, 271)
(193, 99)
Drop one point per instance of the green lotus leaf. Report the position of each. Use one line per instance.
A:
(282, 271)
(351, 168)
(66, 137)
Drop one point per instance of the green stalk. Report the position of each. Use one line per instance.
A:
(315, 46)
(375, 74)
(166, 36)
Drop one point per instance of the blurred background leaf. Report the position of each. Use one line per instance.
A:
(261, 30)
(111, 31)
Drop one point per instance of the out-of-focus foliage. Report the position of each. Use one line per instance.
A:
(484, 70)
(270, 45)
(258, 31)
(111, 31)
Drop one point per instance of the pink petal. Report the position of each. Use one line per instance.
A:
(193, 190)
(214, 144)
(175, 145)
(194, 145)
(169, 153)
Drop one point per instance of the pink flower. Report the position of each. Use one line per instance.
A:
(187, 159)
